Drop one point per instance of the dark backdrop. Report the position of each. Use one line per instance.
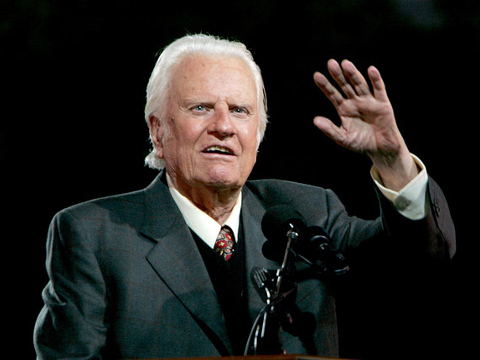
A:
(74, 75)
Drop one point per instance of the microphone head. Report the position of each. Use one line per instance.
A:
(278, 220)
(276, 223)
(313, 241)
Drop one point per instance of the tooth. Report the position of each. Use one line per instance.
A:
(217, 148)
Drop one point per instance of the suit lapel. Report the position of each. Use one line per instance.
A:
(177, 260)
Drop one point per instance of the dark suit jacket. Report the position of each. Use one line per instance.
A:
(127, 280)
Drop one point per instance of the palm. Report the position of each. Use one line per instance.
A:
(367, 119)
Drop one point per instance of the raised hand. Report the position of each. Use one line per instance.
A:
(367, 121)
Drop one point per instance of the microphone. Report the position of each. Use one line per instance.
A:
(277, 222)
(279, 219)
(280, 310)
(311, 244)
(315, 248)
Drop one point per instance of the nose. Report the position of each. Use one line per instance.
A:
(221, 125)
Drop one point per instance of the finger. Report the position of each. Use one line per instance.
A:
(355, 78)
(329, 129)
(337, 73)
(378, 85)
(328, 89)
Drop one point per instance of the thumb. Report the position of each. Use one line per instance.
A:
(329, 128)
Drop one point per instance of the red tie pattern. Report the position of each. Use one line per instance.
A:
(224, 243)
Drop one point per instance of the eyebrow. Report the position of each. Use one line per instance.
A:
(193, 100)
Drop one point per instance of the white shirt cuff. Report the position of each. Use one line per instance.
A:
(409, 201)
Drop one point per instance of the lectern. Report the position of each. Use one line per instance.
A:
(255, 357)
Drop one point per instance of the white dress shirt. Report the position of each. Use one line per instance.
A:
(409, 201)
(201, 223)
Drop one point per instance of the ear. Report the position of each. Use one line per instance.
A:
(156, 134)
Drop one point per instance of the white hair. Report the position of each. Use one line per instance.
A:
(172, 55)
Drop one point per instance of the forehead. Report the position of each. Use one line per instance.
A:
(220, 77)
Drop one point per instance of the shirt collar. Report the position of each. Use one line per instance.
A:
(201, 223)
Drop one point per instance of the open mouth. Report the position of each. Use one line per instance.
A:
(218, 150)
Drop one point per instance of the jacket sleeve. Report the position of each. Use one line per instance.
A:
(71, 323)
(433, 236)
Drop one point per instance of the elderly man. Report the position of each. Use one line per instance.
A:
(141, 275)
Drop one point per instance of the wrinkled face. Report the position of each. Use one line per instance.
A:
(212, 122)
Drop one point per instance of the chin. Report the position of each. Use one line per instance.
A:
(223, 179)
(224, 183)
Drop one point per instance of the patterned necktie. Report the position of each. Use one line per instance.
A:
(224, 243)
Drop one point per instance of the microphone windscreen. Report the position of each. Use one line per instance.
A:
(312, 242)
(277, 222)
(274, 250)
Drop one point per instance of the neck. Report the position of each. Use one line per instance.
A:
(216, 202)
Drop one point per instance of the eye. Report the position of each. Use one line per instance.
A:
(198, 108)
(240, 111)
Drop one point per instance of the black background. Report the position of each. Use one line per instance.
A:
(74, 75)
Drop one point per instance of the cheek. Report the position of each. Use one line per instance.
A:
(250, 147)
(252, 159)
(184, 147)
(250, 140)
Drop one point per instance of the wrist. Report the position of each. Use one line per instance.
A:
(395, 170)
